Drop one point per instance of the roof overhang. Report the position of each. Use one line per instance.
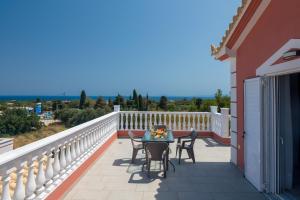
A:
(243, 22)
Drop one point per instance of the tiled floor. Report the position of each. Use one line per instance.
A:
(212, 177)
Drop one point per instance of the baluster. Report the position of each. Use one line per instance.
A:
(68, 155)
(184, 123)
(73, 151)
(63, 162)
(126, 121)
(175, 122)
(88, 139)
(178, 122)
(30, 185)
(5, 187)
(141, 121)
(165, 119)
(49, 170)
(81, 144)
(40, 178)
(131, 120)
(19, 193)
(189, 121)
(78, 147)
(194, 121)
(208, 122)
(146, 121)
(160, 116)
(122, 122)
(150, 120)
(155, 118)
(135, 121)
(56, 164)
(98, 134)
(198, 122)
(92, 139)
(169, 121)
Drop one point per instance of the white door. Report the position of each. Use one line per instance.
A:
(252, 125)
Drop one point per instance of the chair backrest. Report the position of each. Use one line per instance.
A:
(159, 127)
(131, 135)
(194, 136)
(155, 150)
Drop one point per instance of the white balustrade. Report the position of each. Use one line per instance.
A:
(48, 162)
(220, 122)
(177, 121)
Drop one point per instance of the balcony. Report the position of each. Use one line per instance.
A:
(92, 161)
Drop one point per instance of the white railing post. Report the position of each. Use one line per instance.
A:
(146, 121)
(126, 121)
(150, 120)
(170, 121)
(131, 120)
(5, 187)
(213, 110)
(31, 184)
(19, 193)
(225, 122)
(40, 178)
(117, 108)
(189, 121)
(49, 170)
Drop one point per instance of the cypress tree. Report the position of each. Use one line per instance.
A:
(82, 99)
(135, 98)
(163, 103)
(141, 104)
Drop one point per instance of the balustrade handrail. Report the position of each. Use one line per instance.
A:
(165, 112)
(41, 145)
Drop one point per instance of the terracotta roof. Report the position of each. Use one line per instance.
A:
(230, 29)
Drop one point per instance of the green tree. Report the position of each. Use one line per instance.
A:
(54, 105)
(82, 99)
(119, 100)
(163, 103)
(221, 101)
(141, 103)
(110, 103)
(16, 121)
(38, 100)
(147, 102)
(198, 103)
(135, 98)
(100, 103)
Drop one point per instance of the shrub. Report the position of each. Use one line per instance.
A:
(16, 121)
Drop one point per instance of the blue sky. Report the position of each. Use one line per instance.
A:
(160, 47)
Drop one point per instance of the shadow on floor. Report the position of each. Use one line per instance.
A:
(212, 143)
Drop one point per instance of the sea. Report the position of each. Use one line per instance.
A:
(70, 98)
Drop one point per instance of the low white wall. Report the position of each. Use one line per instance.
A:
(6, 144)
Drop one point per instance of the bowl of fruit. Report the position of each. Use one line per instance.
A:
(159, 133)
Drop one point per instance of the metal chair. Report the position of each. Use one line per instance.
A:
(156, 151)
(136, 145)
(188, 145)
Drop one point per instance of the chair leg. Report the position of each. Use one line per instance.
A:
(134, 154)
(189, 153)
(164, 167)
(176, 151)
(148, 168)
(180, 151)
(192, 155)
